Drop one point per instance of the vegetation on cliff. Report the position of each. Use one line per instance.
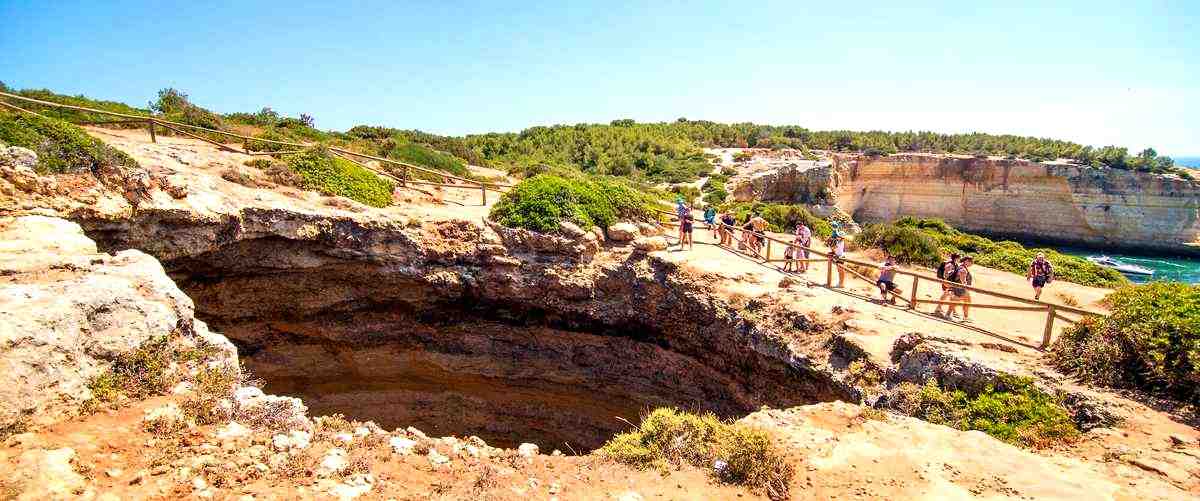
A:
(541, 202)
(331, 175)
(926, 241)
(734, 453)
(60, 147)
(1151, 340)
(1012, 410)
(782, 218)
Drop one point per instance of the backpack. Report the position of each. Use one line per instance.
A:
(952, 275)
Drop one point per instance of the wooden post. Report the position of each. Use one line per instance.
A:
(829, 272)
(483, 191)
(912, 304)
(404, 176)
(153, 139)
(1049, 326)
(768, 248)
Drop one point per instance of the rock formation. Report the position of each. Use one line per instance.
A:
(1016, 198)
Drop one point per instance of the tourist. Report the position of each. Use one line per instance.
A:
(685, 230)
(726, 228)
(961, 294)
(747, 234)
(804, 239)
(1041, 273)
(710, 218)
(759, 225)
(837, 243)
(681, 210)
(946, 271)
(887, 280)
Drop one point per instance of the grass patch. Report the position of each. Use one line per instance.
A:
(321, 171)
(1150, 341)
(672, 437)
(541, 202)
(925, 241)
(1013, 410)
(145, 371)
(61, 147)
(782, 218)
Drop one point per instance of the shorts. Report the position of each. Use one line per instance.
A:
(1040, 281)
(891, 286)
(687, 226)
(789, 253)
(960, 292)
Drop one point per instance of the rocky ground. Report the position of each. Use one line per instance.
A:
(305, 284)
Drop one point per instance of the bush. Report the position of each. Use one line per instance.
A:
(925, 241)
(541, 202)
(145, 371)
(1150, 341)
(1013, 411)
(330, 175)
(671, 437)
(782, 218)
(60, 146)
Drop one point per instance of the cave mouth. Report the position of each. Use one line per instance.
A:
(507, 384)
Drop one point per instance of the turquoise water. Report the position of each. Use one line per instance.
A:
(1175, 269)
(1193, 162)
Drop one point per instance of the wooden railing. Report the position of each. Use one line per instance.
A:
(1053, 311)
(405, 179)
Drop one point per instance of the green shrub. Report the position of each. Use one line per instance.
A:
(1151, 341)
(145, 371)
(672, 437)
(541, 202)
(61, 147)
(1013, 411)
(781, 217)
(907, 245)
(714, 189)
(76, 115)
(322, 171)
(925, 241)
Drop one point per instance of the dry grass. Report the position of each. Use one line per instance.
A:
(1068, 299)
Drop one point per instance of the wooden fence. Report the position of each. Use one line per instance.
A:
(405, 177)
(1052, 311)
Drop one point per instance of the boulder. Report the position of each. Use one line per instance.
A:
(570, 229)
(68, 311)
(649, 230)
(333, 463)
(47, 474)
(650, 244)
(623, 232)
(527, 450)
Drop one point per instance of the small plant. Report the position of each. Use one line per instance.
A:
(211, 386)
(1012, 410)
(1151, 340)
(540, 203)
(258, 163)
(320, 170)
(742, 454)
(862, 374)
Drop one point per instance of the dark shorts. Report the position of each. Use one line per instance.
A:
(687, 226)
(886, 283)
(1040, 282)
(959, 292)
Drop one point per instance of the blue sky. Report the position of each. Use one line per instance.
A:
(1091, 71)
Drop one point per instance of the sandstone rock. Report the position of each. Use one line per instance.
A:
(343, 438)
(416, 433)
(334, 462)
(232, 431)
(630, 496)
(68, 311)
(436, 458)
(401, 445)
(650, 244)
(354, 486)
(252, 406)
(648, 230)
(527, 450)
(47, 474)
(598, 232)
(570, 229)
(166, 418)
(623, 232)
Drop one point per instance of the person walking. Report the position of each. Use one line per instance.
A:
(887, 280)
(681, 210)
(685, 229)
(1041, 273)
(961, 294)
(759, 225)
(837, 243)
(804, 239)
(710, 218)
(947, 271)
(726, 228)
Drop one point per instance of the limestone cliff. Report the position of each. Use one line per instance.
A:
(1017, 198)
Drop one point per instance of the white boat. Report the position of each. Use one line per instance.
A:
(1126, 268)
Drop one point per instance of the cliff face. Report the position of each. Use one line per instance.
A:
(1098, 207)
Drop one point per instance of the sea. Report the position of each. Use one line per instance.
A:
(1173, 269)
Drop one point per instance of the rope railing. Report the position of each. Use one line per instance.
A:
(151, 121)
(1053, 311)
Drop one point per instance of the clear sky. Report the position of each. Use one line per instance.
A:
(1096, 72)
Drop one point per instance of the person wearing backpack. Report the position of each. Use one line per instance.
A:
(947, 271)
(1041, 273)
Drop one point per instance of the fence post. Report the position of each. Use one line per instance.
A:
(768, 248)
(404, 176)
(912, 304)
(829, 272)
(152, 138)
(1049, 326)
(483, 191)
